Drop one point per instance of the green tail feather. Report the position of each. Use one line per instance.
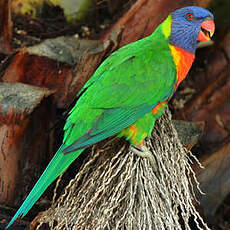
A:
(57, 165)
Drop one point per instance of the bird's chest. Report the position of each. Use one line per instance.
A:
(183, 61)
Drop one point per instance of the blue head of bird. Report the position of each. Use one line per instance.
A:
(190, 26)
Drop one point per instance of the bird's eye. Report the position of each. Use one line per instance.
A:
(189, 17)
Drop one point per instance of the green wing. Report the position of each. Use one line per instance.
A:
(110, 122)
(127, 85)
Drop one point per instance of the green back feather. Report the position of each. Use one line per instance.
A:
(126, 86)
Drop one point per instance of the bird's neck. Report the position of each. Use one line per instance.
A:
(183, 61)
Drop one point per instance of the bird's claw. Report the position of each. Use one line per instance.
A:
(144, 152)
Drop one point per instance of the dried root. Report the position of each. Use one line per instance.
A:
(120, 190)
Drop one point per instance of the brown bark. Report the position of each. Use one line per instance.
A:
(143, 18)
(214, 181)
(214, 102)
(61, 64)
(188, 132)
(23, 137)
(5, 27)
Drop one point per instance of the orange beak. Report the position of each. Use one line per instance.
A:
(207, 30)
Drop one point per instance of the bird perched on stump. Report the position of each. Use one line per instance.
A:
(128, 92)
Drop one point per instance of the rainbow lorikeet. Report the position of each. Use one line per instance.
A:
(129, 91)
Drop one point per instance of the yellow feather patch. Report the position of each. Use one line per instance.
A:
(176, 55)
(166, 26)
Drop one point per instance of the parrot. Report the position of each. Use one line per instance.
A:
(128, 92)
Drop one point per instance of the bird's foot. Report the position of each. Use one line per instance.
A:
(144, 152)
